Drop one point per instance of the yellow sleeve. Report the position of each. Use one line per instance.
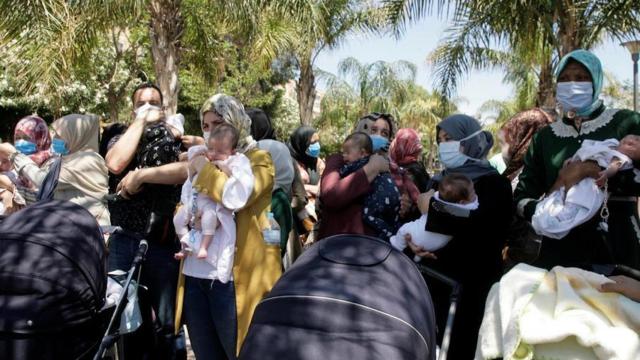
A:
(211, 180)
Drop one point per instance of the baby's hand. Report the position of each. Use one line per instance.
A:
(224, 168)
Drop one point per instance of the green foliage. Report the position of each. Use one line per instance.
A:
(286, 119)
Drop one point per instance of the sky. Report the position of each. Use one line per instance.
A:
(422, 38)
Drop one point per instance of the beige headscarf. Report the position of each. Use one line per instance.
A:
(232, 112)
(82, 168)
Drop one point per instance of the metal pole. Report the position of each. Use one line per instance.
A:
(635, 57)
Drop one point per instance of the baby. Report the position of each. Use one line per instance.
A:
(563, 210)
(454, 190)
(382, 205)
(236, 166)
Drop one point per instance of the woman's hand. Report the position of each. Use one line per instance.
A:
(131, 184)
(423, 201)
(191, 140)
(150, 116)
(9, 205)
(418, 250)
(573, 172)
(623, 285)
(377, 164)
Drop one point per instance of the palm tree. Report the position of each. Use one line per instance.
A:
(496, 33)
(51, 39)
(321, 25)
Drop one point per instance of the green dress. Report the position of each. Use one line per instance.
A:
(585, 244)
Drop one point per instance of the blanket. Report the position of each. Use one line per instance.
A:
(560, 314)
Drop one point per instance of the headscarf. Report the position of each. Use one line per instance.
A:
(366, 122)
(261, 127)
(232, 112)
(82, 168)
(299, 141)
(263, 132)
(593, 65)
(406, 147)
(459, 127)
(518, 132)
(34, 129)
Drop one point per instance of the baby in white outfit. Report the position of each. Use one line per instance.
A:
(563, 210)
(455, 190)
(236, 166)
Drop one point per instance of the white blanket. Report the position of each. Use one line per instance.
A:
(532, 313)
(563, 210)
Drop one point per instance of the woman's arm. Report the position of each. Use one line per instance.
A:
(339, 192)
(531, 183)
(27, 168)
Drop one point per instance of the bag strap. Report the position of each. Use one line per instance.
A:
(50, 182)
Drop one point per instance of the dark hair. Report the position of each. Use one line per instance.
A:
(362, 140)
(146, 85)
(223, 130)
(455, 188)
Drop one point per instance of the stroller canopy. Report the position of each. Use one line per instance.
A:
(52, 268)
(348, 297)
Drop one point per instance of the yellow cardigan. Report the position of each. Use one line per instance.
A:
(256, 265)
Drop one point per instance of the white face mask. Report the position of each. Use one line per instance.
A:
(450, 155)
(574, 95)
(146, 107)
(206, 136)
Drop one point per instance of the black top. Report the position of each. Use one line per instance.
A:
(157, 147)
(473, 258)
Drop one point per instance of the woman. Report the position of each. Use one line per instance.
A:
(342, 198)
(473, 255)
(518, 133)
(411, 176)
(263, 133)
(304, 145)
(218, 314)
(583, 116)
(83, 173)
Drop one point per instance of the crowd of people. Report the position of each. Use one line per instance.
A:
(204, 200)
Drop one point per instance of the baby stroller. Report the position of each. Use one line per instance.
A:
(52, 282)
(347, 297)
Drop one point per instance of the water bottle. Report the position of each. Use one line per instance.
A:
(272, 233)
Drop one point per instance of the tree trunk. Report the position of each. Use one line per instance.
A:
(545, 97)
(166, 31)
(306, 91)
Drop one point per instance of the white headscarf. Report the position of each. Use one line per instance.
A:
(232, 112)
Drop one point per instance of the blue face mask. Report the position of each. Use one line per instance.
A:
(379, 143)
(58, 146)
(314, 150)
(25, 147)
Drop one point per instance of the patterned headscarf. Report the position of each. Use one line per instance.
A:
(518, 132)
(34, 129)
(593, 65)
(232, 112)
(406, 148)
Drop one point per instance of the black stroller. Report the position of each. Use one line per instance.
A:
(52, 282)
(347, 297)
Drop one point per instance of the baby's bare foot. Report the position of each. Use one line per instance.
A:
(202, 253)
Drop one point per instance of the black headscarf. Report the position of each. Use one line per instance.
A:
(261, 127)
(299, 141)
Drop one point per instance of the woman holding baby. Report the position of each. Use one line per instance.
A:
(477, 228)
(583, 116)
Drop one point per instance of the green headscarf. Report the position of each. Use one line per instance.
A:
(593, 65)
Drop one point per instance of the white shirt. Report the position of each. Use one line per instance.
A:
(235, 194)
